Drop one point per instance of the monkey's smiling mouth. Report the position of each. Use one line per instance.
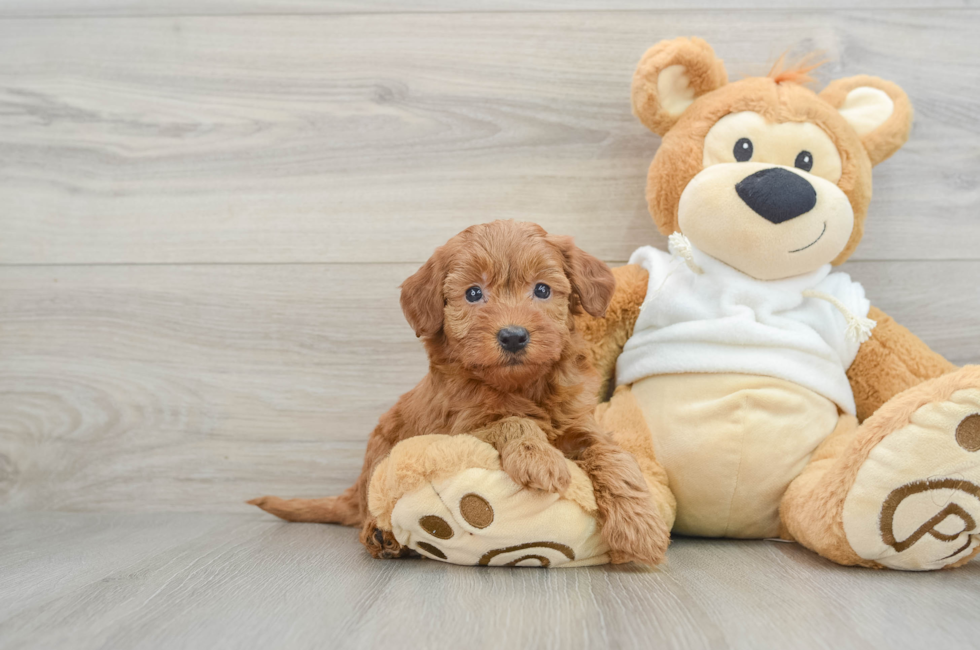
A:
(822, 232)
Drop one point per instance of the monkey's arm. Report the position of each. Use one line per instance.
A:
(606, 336)
(891, 361)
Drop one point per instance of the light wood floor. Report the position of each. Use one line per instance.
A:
(206, 208)
(73, 580)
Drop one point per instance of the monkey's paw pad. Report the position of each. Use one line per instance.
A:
(915, 503)
(448, 498)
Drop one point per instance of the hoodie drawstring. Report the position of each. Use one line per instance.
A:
(858, 329)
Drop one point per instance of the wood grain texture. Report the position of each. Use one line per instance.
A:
(225, 581)
(196, 387)
(98, 8)
(206, 207)
(364, 138)
(141, 387)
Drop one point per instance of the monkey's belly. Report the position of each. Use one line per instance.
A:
(731, 444)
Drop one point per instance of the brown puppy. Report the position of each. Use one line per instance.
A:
(495, 308)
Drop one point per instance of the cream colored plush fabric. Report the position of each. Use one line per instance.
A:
(775, 144)
(731, 444)
(866, 109)
(915, 503)
(466, 510)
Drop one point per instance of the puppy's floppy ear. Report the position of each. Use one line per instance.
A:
(592, 280)
(670, 76)
(422, 296)
(878, 110)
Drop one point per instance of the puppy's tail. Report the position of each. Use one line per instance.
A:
(328, 510)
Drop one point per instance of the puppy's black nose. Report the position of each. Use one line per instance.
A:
(777, 194)
(513, 338)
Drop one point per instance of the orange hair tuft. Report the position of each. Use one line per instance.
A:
(797, 72)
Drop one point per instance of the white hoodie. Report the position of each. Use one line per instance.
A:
(723, 321)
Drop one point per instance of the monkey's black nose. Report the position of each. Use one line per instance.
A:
(777, 194)
(513, 338)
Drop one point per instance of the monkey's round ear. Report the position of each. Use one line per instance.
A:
(670, 76)
(878, 110)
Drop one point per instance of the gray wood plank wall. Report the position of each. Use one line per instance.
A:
(206, 208)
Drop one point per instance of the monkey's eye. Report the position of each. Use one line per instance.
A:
(541, 290)
(804, 161)
(474, 294)
(743, 150)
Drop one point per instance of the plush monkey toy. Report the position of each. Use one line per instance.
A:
(760, 391)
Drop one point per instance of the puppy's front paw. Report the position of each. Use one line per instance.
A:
(381, 544)
(536, 464)
(635, 532)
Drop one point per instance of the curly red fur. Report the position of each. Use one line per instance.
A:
(474, 385)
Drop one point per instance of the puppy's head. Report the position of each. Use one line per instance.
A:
(499, 298)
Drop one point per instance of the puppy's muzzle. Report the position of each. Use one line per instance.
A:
(513, 339)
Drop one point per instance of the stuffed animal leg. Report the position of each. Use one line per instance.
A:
(448, 498)
(901, 490)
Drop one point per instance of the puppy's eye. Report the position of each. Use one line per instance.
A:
(541, 290)
(804, 161)
(743, 150)
(474, 294)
